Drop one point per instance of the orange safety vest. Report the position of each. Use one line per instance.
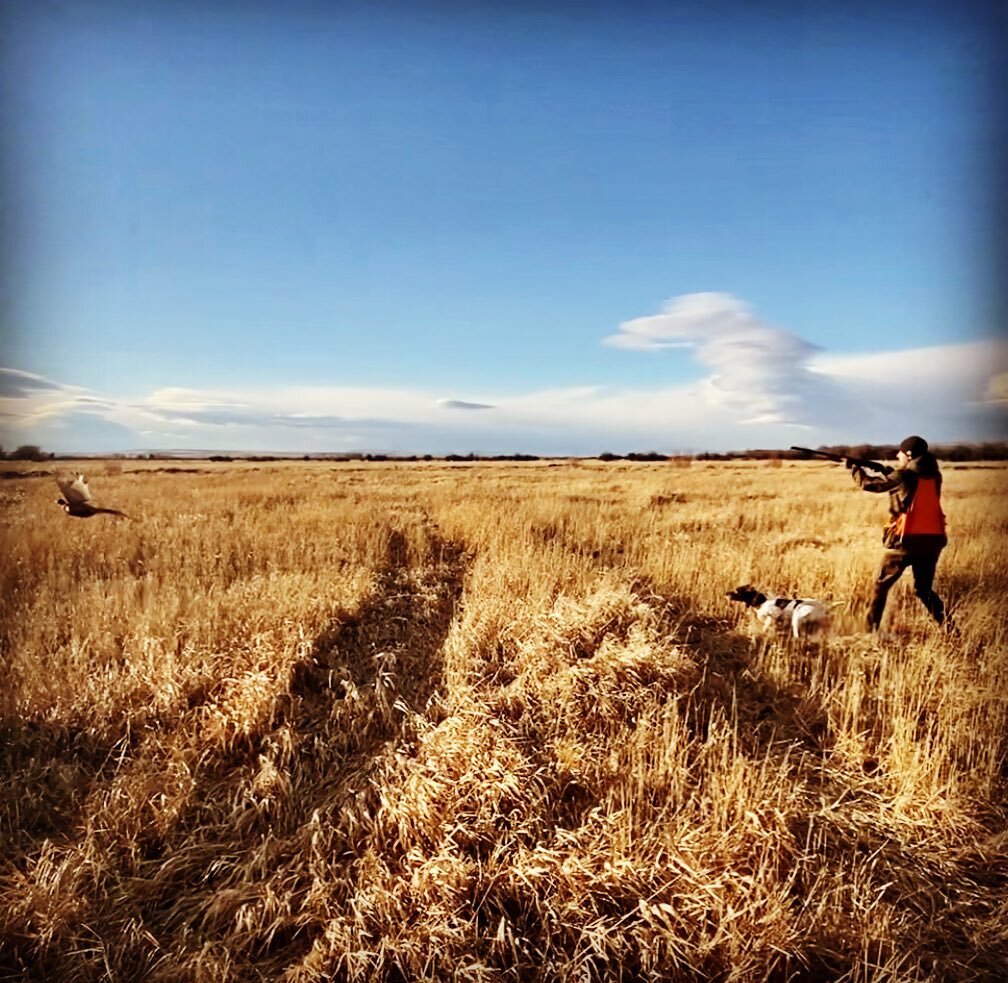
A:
(925, 516)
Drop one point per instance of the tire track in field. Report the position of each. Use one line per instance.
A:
(46, 771)
(346, 706)
(397, 633)
(362, 681)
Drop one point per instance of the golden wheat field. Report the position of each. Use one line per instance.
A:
(316, 720)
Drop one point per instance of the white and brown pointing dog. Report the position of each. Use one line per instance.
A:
(803, 615)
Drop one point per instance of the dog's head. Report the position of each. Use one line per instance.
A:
(748, 595)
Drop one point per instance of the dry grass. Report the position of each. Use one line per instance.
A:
(316, 721)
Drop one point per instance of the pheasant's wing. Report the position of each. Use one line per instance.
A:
(74, 489)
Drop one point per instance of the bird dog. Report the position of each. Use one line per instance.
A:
(803, 615)
(76, 500)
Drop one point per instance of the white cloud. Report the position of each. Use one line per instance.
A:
(683, 321)
(760, 386)
(766, 377)
(964, 369)
(997, 389)
(756, 370)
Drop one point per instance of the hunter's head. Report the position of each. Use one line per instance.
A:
(912, 448)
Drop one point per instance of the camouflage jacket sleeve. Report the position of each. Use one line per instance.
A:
(900, 484)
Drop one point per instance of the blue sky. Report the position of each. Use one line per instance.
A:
(605, 226)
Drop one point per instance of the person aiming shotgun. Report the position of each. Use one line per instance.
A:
(915, 534)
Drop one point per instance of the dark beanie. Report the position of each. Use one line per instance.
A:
(914, 446)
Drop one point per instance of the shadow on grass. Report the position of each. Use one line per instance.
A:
(46, 771)
(945, 902)
(731, 686)
(188, 884)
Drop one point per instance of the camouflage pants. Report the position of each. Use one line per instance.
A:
(894, 562)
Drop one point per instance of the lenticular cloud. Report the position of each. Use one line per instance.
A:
(685, 320)
(758, 371)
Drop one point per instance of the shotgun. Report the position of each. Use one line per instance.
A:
(859, 461)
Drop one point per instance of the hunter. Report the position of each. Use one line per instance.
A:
(915, 534)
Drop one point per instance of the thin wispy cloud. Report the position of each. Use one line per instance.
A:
(94, 401)
(27, 400)
(15, 384)
(461, 404)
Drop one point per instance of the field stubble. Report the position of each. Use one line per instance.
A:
(321, 721)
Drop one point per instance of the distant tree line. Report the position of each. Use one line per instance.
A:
(26, 452)
(638, 456)
(987, 451)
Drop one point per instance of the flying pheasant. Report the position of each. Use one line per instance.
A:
(76, 499)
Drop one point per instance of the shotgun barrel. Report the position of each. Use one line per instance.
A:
(858, 461)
